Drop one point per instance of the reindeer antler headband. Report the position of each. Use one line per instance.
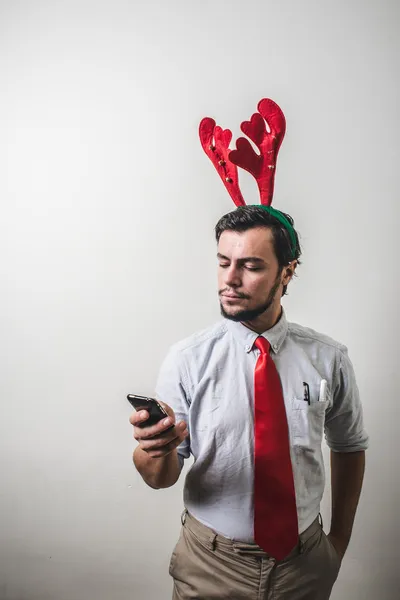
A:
(215, 142)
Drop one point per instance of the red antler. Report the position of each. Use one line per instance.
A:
(215, 142)
(262, 166)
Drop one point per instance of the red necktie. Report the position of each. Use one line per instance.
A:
(275, 515)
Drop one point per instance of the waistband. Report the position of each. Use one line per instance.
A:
(211, 539)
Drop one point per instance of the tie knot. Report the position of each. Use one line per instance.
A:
(262, 344)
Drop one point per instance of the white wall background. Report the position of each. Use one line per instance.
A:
(107, 256)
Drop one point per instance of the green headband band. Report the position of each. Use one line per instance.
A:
(282, 219)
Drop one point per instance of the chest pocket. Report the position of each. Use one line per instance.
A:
(307, 422)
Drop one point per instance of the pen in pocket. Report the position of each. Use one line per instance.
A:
(322, 390)
(306, 397)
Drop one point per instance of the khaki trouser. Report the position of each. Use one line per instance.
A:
(207, 566)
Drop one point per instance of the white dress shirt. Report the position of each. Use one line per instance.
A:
(208, 380)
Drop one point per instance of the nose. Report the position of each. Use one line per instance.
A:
(232, 277)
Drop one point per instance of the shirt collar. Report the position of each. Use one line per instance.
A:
(246, 337)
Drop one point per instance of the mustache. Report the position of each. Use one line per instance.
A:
(239, 294)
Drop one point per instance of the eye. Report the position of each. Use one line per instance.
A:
(253, 268)
(223, 265)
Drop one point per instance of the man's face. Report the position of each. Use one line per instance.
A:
(249, 278)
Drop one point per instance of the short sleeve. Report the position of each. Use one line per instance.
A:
(171, 389)
(344, 424)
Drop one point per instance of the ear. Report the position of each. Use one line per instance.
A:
(288, 272)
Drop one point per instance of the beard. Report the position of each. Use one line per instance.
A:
(252, 313)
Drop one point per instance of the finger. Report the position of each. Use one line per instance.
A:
(162, 441)
(154, 430)
(171, 433)
(167, 409)
(157, 443)
(165, 450)
(138, 417)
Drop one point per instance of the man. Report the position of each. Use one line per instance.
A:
(250, 399)
(212, 385)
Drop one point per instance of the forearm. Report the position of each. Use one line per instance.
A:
(347, 473)
(160, 472)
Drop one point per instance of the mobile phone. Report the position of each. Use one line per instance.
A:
(154, 408)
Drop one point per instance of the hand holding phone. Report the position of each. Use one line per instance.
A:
(154, 426)
(154, 409)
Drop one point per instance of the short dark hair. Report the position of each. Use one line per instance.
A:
(250, 217)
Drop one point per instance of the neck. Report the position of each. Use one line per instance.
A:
(265, 321)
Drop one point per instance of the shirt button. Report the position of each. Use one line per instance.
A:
(247, 348)
(275, 347)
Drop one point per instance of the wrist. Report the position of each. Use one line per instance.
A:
(157, 472)
(340, 534)
(339, 541)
